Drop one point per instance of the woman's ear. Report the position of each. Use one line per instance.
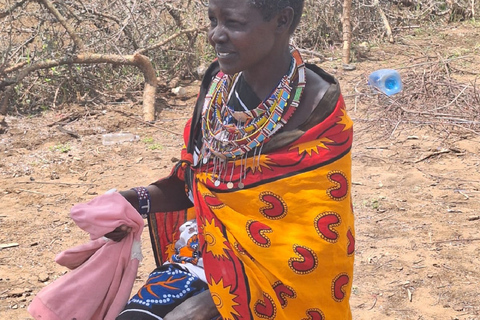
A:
(284, 20)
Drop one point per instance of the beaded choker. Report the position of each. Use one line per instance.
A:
(230, 134)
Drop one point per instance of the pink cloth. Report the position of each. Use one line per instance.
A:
(103, 270)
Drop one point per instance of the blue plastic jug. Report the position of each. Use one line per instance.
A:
(387, 81)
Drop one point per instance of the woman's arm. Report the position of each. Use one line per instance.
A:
(165, 195)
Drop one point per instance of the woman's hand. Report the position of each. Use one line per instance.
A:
(119, 233)
(198, 307)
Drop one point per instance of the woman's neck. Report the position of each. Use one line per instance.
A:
(265, 79)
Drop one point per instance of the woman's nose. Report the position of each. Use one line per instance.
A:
(218, 34)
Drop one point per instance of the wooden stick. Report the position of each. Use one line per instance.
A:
(8, 245)
(313, 53)
(71, 133)
(64, 183)
(457, 240)
(36, 192)
(432, 62)
(147, 123)
(433, 154)
(385, 21)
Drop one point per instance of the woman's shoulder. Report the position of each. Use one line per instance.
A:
(316, 86)
(318, 83)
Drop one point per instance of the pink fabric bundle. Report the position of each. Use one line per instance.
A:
(103, 270)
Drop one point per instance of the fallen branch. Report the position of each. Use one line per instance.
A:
(312, 53)
(8, 245)
(147, 123)
(433, 154)
(59, 183)
(35, 192)
(71, 133)
(15, 67)
(433, 62)
(455, 240)
(138, 60)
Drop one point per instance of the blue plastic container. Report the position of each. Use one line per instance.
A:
(387, 81)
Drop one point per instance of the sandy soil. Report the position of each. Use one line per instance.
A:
(416, 189)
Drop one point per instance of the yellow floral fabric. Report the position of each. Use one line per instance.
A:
(278, 241)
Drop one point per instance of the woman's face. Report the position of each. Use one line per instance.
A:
(242, 39)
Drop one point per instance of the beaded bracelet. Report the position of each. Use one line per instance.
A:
(143, 201)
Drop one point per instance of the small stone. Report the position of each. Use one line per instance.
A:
(16, 292)
(349, 67)
(179, 91)
(54, 176)
(43, 277)
(458, 307)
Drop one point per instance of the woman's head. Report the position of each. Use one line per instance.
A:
(269, 8)
(252, 35)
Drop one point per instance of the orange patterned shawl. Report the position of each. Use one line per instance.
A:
(283, 246)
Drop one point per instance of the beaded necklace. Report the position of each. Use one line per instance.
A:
(228, 134)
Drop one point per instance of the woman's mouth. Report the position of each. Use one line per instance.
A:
(223, 54)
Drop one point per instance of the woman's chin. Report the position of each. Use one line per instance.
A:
(228, 68)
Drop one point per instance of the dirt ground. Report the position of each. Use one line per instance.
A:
(416, 188)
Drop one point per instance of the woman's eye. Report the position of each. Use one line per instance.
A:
(213, 21)
(233, 22)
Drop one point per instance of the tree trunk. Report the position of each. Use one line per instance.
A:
(347, 31)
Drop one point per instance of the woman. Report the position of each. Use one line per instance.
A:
(267, 168)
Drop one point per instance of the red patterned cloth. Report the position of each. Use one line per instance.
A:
(280, 244)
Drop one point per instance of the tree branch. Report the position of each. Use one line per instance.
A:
(171, 38)
(76, 40)
(11, 9)
(137, 60)
(126, 29)
(385, 21)
(15, 67)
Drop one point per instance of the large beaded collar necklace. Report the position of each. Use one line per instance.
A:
(229, 134)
